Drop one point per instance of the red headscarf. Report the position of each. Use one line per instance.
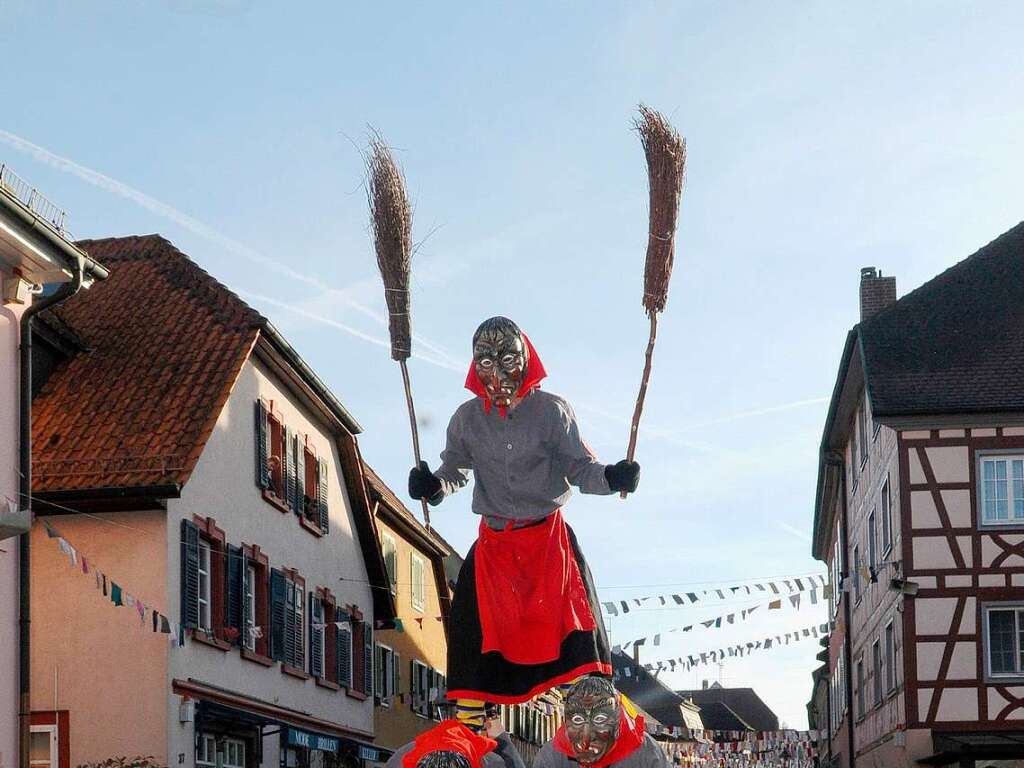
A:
(631, 736)
(449, 736)
(531, 378)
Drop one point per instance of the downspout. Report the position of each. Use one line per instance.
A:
(25, 494)
(837, 460)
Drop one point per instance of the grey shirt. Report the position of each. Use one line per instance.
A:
(647, 755)
(505, 755)
(523, 463)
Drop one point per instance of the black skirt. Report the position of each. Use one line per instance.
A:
(489, 676)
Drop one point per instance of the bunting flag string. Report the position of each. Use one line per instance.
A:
(731, 618)
(116, 593)
(738, 650)
(738, 749)
(789, 586)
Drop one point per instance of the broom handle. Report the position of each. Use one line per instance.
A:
(635, 427)
(415, 431)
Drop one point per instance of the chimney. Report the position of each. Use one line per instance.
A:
(704, 685)
(876, 292)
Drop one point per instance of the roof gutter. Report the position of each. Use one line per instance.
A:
(322, 391)
(75, 256)
(81, 265)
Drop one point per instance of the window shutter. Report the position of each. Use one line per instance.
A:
(424, 689)
(234, 583)
(277, 615)
(289, 482)
(396, 674)
(368, 658)
(321, 496)
(316, 661)
(344, 655)
(189, 574)
(261, 445)
(381, 663)
(300, 474)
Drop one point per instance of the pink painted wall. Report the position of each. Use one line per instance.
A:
(91, 658)
(9, 325)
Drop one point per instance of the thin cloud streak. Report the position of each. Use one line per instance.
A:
(192, 224)
(381, 342)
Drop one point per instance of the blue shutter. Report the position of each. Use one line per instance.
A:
(343, 654)
(189, 574)
(321, 475)
(300, 475)
(289, 483)
(278, 614)
(261, 433)
(316, 616)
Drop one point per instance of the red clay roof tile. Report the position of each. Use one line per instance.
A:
(164, 345)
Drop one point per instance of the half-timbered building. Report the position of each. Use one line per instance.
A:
(920, 518)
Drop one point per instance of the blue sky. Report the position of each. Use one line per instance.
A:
(822, 137)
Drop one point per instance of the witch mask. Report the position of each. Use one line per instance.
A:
(500, 359)
(592, 718)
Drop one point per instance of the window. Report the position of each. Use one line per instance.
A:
(275, 457)
(417, 582)
(876, 671)
(862, 432)
(203, 588)
(288, 594)
(838, 555)
(206, 750)
(388, 684)
(886, 502)
(43, 752)
(387, 546)
(1002, 490)
(860, 687)
(317, 636)
(249, 634)
(856, 573)
(420, 685)
(232, 751)
(872, 545)
(204, 621)
(310, 507)
(1004, 625)
(362, 654)
(890, 657)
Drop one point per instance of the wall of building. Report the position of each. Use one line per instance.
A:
(223, 486)
(89, 657)
(878, 604)
(10, 315)
(396, 723)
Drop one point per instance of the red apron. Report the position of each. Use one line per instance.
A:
(529, 591)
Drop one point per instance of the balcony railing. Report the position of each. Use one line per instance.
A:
(33, 199)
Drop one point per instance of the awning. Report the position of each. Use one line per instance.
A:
(299, 729)
(991, 745)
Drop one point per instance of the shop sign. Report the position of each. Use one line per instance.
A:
(297, 738)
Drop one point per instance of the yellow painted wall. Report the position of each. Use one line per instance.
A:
(94, 659)
(398, 724)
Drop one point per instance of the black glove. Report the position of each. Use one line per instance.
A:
(623, 476)
(423, 484)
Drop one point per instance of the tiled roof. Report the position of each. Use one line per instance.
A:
(743, 703)
(956, 344)
(164, 345)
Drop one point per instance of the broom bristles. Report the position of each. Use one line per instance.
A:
(666, 166)
(391, 219)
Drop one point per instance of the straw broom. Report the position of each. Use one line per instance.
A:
(391, 219)
(666, 163)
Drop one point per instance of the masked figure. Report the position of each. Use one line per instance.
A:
(452, 745)
(525, 616)
(597, 732)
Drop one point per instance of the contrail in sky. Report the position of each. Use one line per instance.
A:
(195, 226)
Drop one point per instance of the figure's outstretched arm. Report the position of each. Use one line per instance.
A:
(450, 476)
(583, 468)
